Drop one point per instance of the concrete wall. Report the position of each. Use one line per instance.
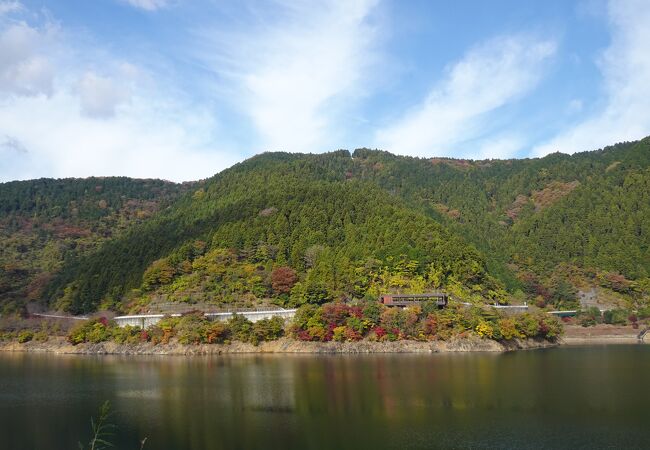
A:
(146, 320)
(254, 316)
(511, 309)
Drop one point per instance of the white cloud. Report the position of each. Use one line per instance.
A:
(148, 128)
(151, 137)
(9, 7)
(290, 77)
(488, 77)
(25, 68)
(625, 66)
(149, 5)
(101, 95)
(499, 147)
(11, 145)
(575, 106)
(15, 157)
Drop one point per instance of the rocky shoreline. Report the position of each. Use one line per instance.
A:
(59, 345)
(574, 335)
(600, 334)
(600, 340)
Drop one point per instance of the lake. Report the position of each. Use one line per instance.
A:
(569, 397)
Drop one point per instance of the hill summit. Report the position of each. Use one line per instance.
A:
(288, 229)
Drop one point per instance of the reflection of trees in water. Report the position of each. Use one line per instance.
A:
(210, 402)
(309, 401)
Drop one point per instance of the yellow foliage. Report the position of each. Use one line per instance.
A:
(484, 330)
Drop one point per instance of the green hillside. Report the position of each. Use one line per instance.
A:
(46, 223)
(340, 237)
(289, 229)
(542, 221)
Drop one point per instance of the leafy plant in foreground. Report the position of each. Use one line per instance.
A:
(102, 430)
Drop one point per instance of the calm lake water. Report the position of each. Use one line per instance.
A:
(581, 397)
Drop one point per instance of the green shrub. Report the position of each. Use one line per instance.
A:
(644, 312)
(616, 316)
(195, 328)
(167, 327)
(77, 333)
(393, 319)
(304, 314)
(157, 335)
(508, 328)
(372, 312)
(485, 329)
(359, 325)
(447, 323)
(25, 336)
(317, 333)
(469, 318)
(589, 317)
(240, 328)
(339, 334)
(126, 335)
(267, 330)
(41, 336)
(550, 327)
(528, 325)
(190, 328)
(93, 330)
(216, 333)
(342, 322)
(98, 333)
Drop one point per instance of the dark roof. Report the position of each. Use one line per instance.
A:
(435, 294)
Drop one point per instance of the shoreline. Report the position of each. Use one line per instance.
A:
(574, 336)
(59, 345)
(613, 340)
(600, 334)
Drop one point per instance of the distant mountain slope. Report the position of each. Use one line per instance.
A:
(292, 228)
(590, 208)
(604, 223)
(46, 222)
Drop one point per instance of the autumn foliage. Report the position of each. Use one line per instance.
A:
(339, 321)
(283, 279)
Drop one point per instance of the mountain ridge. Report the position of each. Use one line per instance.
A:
(514, 221)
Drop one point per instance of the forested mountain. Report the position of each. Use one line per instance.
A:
(294, 228)
(548, 209)
(529, 217)
(45, 223)
(296, 212)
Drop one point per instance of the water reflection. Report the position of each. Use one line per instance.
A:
(558, 398)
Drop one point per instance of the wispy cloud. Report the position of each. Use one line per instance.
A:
(148, 5)
(486, 78)
(9, 6)
(88, 115)
(499, 147)
(625, 66)
(236, 78)
(291, 75)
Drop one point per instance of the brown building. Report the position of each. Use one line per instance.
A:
(403, 300)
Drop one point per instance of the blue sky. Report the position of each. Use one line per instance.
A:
(181, 89)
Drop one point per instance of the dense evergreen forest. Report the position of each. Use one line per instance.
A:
(289, 229)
